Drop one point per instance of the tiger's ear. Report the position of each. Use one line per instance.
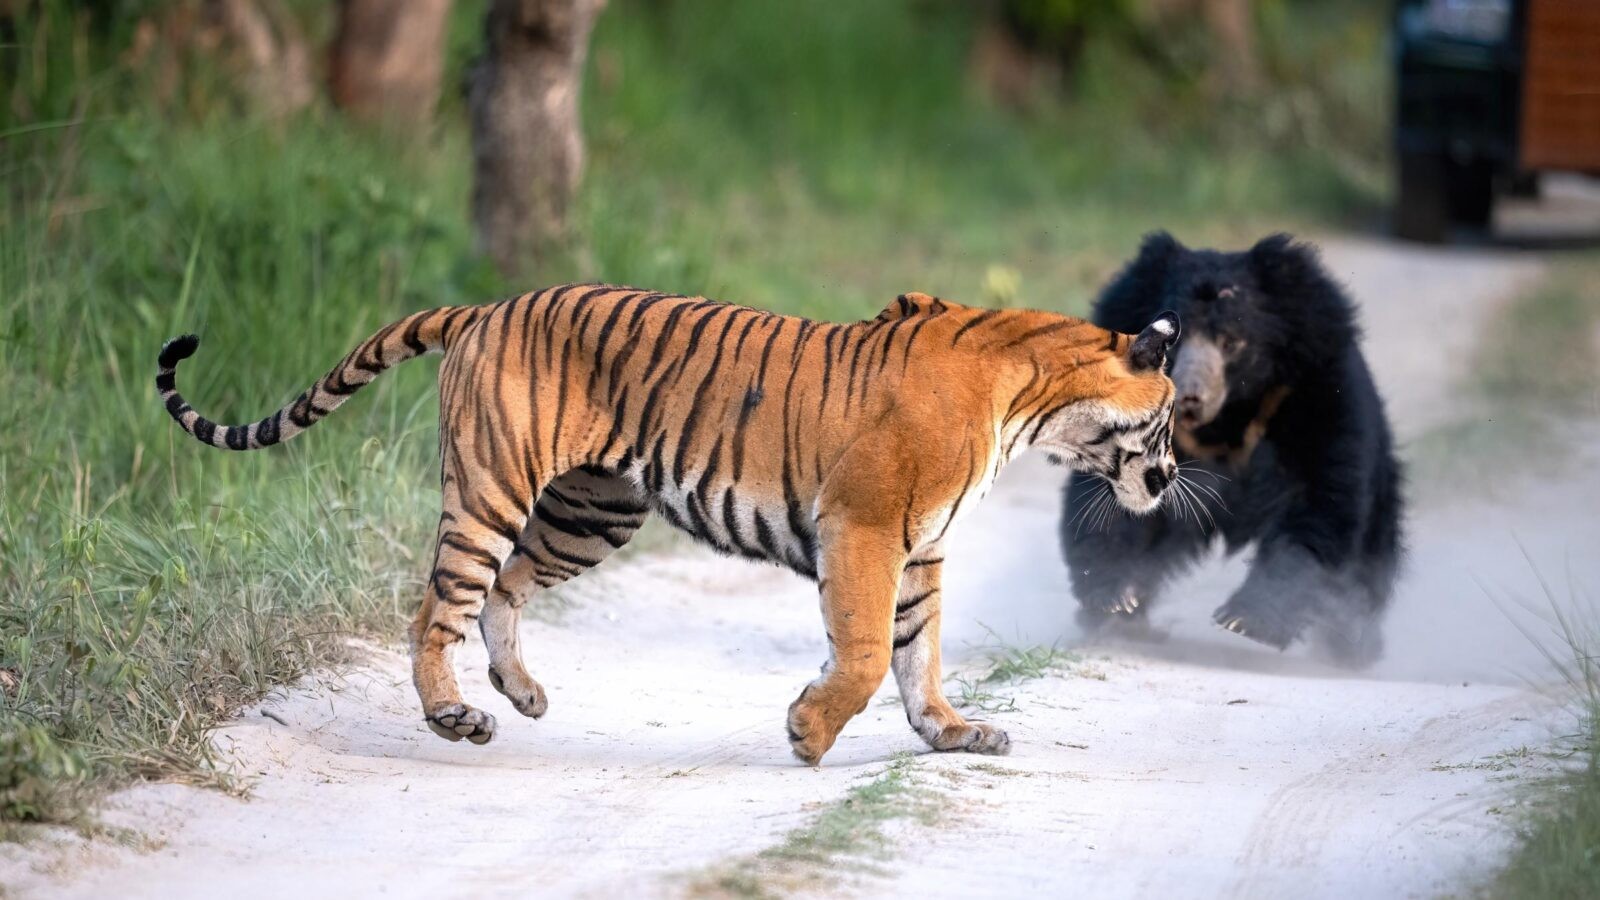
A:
(1150, 348)
(911, 303)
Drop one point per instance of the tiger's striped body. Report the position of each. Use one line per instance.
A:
(842, 451)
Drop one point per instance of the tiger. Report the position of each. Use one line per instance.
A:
(841, 451)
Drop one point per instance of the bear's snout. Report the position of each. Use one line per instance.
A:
(1199, 375)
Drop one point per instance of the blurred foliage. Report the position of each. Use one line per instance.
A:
(35, 772)
(1544, 350)
(1060, 26)
(1532, 372)
(810, 159)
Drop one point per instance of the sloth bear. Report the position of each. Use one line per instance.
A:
(1283, 444)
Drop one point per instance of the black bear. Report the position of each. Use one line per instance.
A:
(1282, 440)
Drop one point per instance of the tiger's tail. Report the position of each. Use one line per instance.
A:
(429, 331)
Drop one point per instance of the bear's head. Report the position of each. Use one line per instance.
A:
(1256, 322)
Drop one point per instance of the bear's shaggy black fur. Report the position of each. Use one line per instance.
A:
(1279, 417)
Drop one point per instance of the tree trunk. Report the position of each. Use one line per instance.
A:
(1007, 71)
(526, 140)
(1234, 67)
(269, 52)
(387, 59)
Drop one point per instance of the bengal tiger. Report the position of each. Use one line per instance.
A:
(842, 451)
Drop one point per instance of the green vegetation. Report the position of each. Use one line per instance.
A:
(848, 829)
(1545, 351)
(1008, 665)
(1558, 856)
(1532, 373)
(812, 159)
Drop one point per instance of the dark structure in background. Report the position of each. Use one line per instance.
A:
(1490, 93)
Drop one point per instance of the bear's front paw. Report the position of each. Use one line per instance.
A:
(1124, 602)
(1124, 615)
(1258, 621)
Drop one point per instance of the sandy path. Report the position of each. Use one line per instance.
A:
(663, 752)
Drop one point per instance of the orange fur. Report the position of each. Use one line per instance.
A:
(843, 451)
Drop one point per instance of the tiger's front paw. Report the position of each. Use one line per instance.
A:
(810, 733)
(459, 720)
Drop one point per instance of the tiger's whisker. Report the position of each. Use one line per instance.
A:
(1206, 491)
(1199, 504)
(1107, 513)
(1101, 489)
(1197, 468)
(1094, 503)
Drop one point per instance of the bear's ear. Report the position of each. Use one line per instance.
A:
(1150, 348)
(1139, 290)
(1156, 252)
(1280, 262)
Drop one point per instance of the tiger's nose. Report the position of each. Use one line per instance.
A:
(1156, 480)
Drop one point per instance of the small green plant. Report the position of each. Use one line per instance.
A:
(1007, 665)
(971, 695)
(1503, 761)
(849, 828)
(853, 826)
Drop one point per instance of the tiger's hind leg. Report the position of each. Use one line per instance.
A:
(474, 541)
(917, 663)
(581, 518)
(486, 503)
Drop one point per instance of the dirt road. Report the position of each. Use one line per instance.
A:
(1198, 766)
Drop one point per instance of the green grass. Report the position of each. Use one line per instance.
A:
(816, 161)
(1009, 665)
(1558, 851)
(847, 832)
(1533, 372)
(1559, 854)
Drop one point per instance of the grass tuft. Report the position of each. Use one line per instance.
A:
(1558, 849)
(849, 830)
(1009, 665)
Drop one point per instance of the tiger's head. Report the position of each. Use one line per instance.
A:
(1122, 429)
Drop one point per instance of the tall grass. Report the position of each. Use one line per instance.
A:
(146, 586)
(1558, 853)
(813, 159)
